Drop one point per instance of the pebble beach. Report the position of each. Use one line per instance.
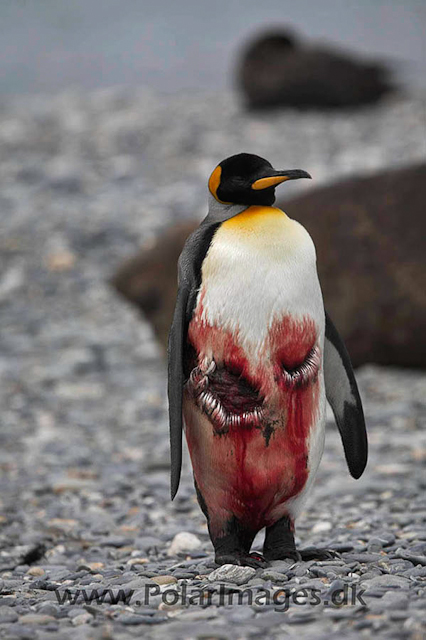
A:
(86, 179)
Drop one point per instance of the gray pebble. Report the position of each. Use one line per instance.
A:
(116, 541)
(7, 614)
(274, 576)
(232, 573)
(21, 631)
(397, 582)
(337, 585)
(50, 609)
(411, 557)
(76, 611)
(375, 545)
(363, 557)
(82, 381)
(240, 614)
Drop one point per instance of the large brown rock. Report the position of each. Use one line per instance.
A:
(149, 279)
(275, 69)
(370, 235)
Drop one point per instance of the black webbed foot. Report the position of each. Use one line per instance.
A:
(283, 553)
(280, 545)
(314, 553)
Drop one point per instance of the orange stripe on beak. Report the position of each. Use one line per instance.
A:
(264, 183)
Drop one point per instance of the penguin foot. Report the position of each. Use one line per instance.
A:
(304, 555)
(313, 553)
(255, 560)
(283, 553)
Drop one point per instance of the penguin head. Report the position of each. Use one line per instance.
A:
(249, 180)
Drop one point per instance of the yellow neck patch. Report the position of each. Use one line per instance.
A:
(257, 219)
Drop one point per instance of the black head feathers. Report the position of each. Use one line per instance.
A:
(248, 179)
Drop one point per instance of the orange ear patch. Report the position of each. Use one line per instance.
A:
(264, 183)
(214, 181)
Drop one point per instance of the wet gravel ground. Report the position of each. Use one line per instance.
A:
(84, 494)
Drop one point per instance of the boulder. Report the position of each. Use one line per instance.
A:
(275, 69)
(149, 279)
(370, 235)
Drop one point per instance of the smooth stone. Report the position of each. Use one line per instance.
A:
(415, 572)
(282, 566)
(82, 618)
(132, 620)
(7, 614)
(322, 527)
(199, 614)
(232, 573)
(35, 571)
(184, 541)
(137, 561)
(241, 614)
(274, 576)
(71, 484)
(257, 582)
(164, 580)
(21, 631)
(387, 580)
(301, 617)
(89, 580)
(50, 609)
(93, 567)
(138, 583)
(407, 555)
(375, 545)
(393, 600)
(398, 615)
(373, 572)
(363, 557)
(36, 618)
(386, 537)
(337, 585)
(76, 611)
(147, 597)
(224, 587)
(146, 543)
(116, 541)
(348, 611)
(327, 572)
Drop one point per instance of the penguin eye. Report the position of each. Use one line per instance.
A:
(305, 372)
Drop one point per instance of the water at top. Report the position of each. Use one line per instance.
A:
(171, 46)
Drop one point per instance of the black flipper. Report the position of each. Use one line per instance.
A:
(342, 393)
(175, 385)
(190, 263)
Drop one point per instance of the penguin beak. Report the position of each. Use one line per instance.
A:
(277, 177)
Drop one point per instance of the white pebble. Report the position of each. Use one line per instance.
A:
(183, 541)
(321, 527)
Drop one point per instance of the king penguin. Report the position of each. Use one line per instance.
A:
(253, 356)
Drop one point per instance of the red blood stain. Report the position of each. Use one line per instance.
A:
(234, 392)
(250, 472)
(290, 341)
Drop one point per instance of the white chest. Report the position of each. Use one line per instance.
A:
(260, 267)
